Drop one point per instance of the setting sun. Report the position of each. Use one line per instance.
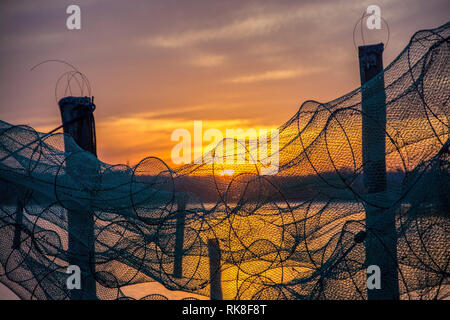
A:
(226, 172)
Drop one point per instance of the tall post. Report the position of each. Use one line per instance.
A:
(23, 196)
(78, 121)
(215, 273)
(19, 219)
(179, 236)
(381, 242)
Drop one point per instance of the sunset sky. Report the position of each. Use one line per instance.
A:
(156, 66)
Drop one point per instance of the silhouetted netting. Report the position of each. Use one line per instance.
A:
(290, 235)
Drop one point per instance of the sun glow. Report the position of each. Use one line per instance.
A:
(227, 172)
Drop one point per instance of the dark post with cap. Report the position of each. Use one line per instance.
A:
(78, 121)
(381, 243)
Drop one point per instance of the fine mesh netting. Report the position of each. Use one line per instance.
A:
(298, 234)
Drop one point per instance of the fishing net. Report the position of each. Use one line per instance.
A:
(298, 234)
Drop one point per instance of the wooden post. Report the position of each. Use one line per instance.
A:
(23, 196)
(381, 242)
(78, 121)
(215, 274)
(18, 227)
(179, 236)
